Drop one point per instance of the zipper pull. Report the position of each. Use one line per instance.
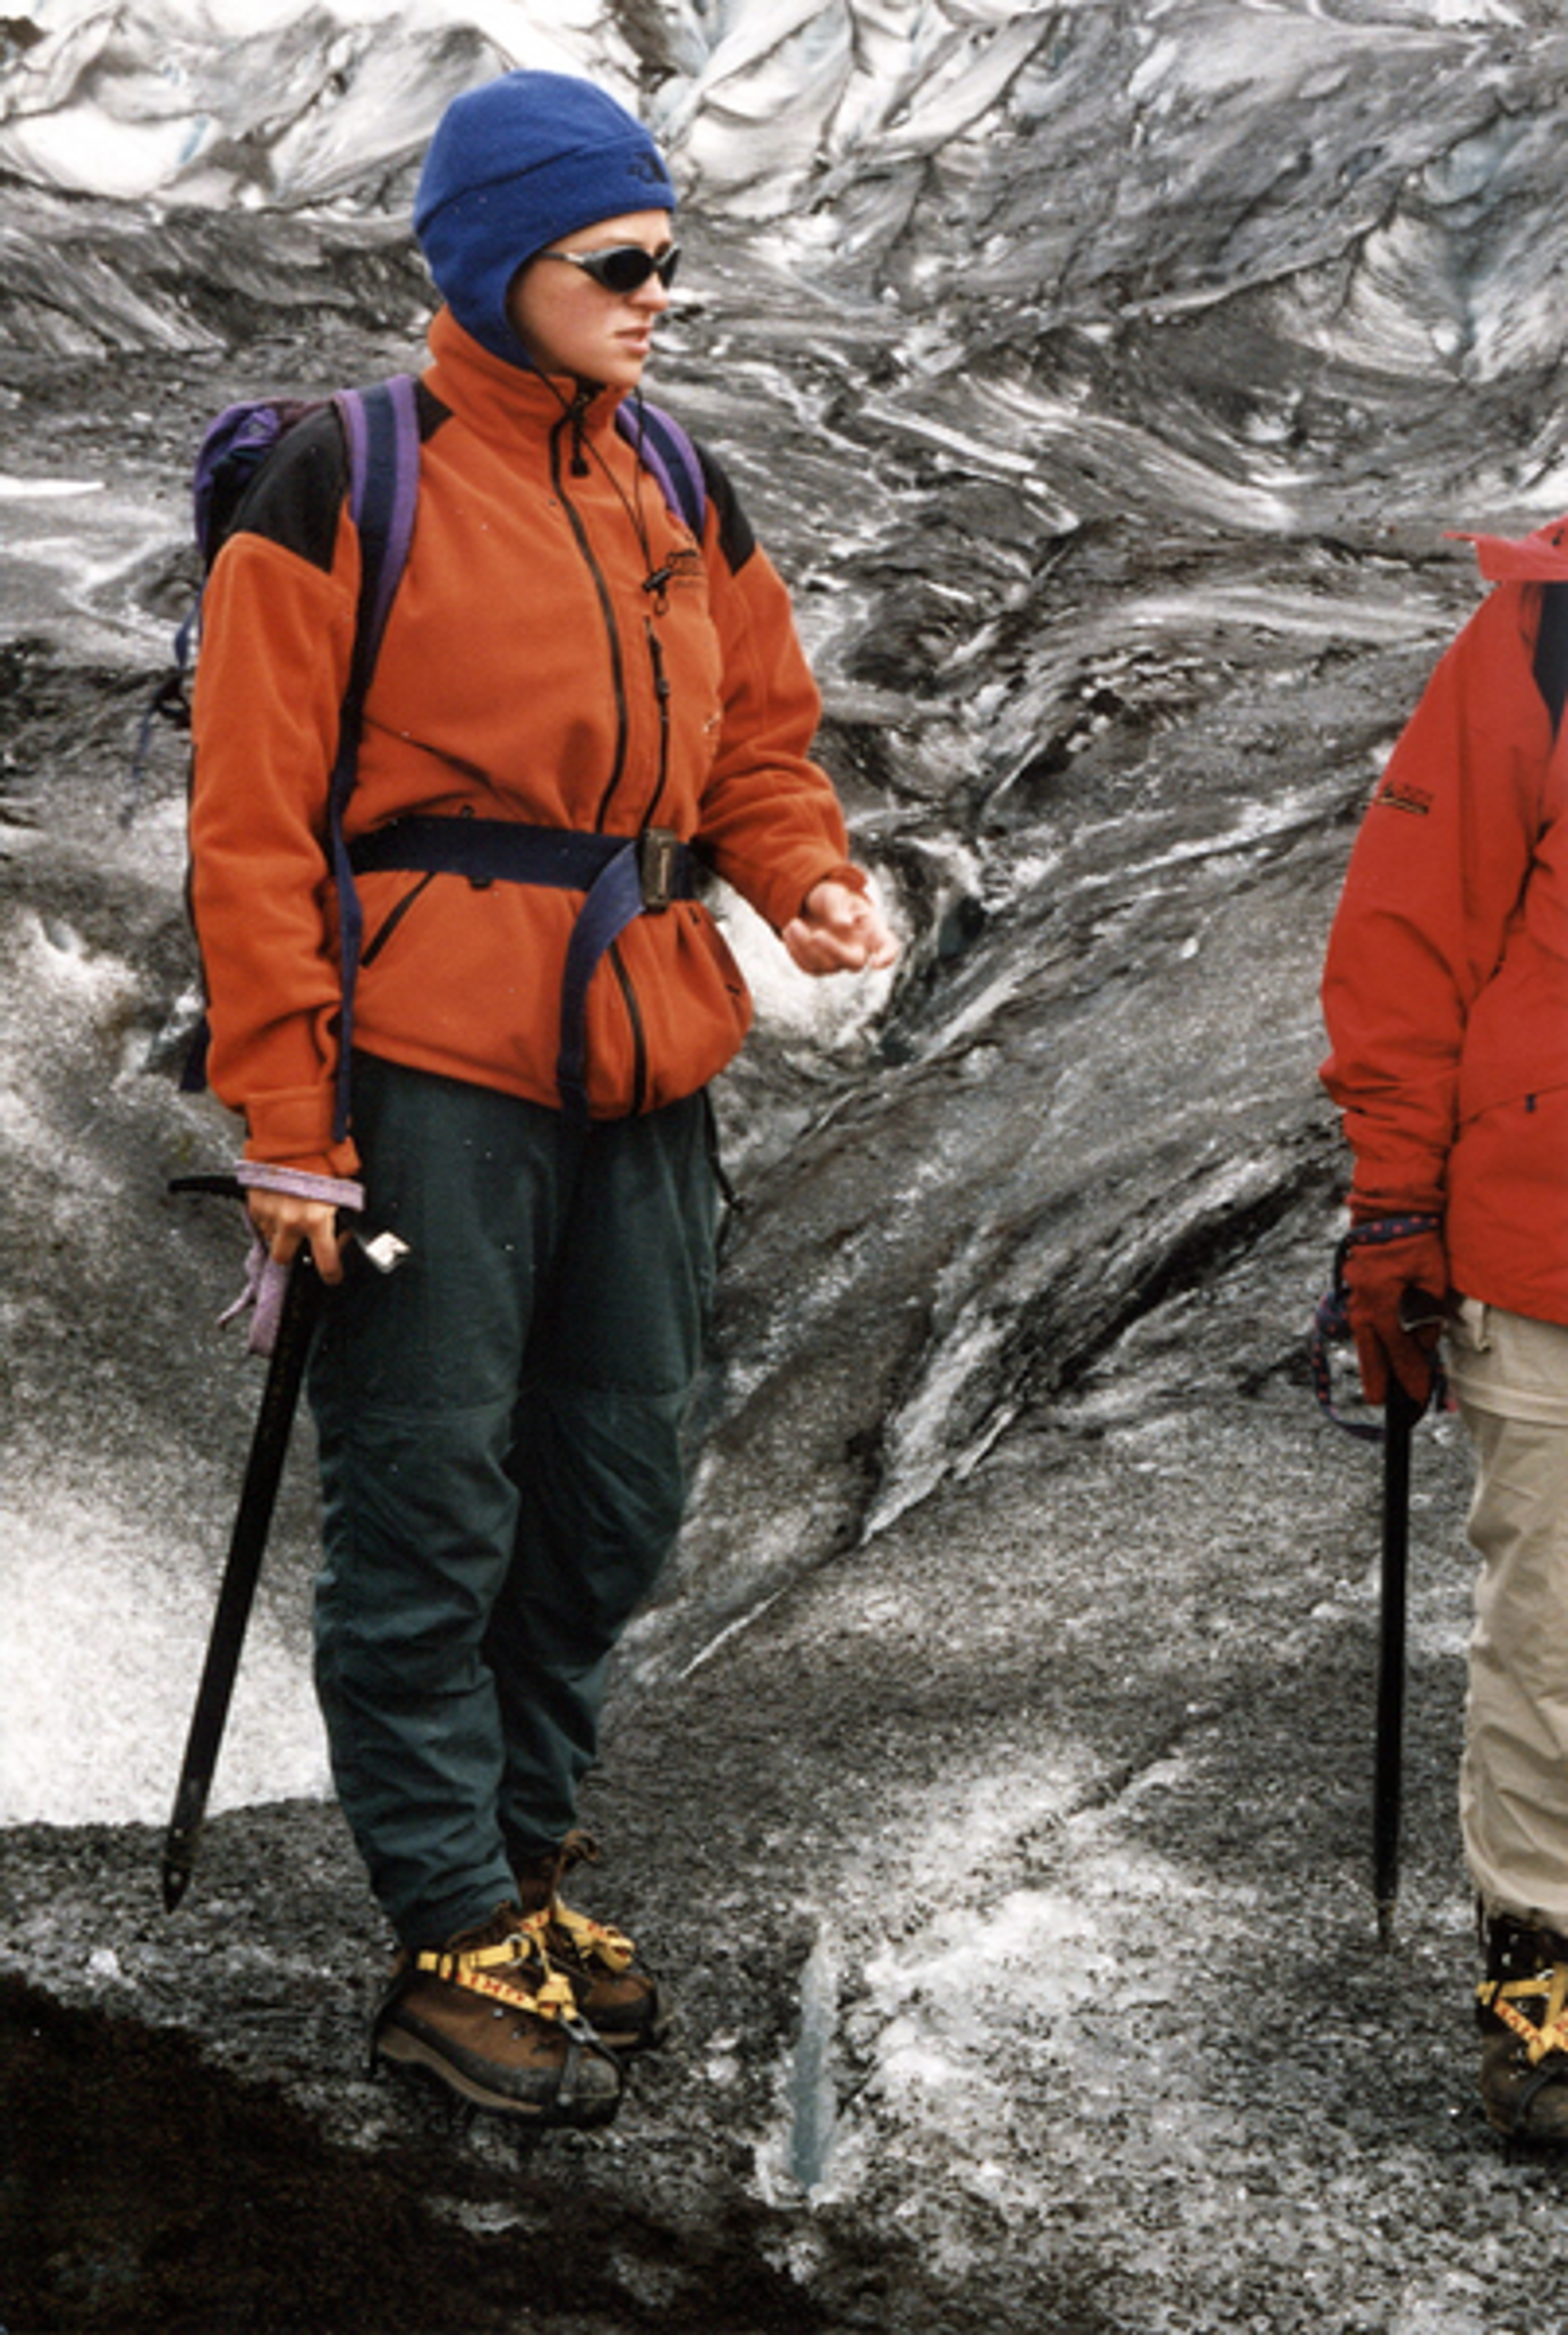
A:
(656, 656)
(579, 411)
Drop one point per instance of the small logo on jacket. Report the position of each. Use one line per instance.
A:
(1415, 800)
(684, 565)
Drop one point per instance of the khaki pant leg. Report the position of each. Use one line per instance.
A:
(1510, 1376)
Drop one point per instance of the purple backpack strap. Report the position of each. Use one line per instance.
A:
(663, 446)
(381, 429)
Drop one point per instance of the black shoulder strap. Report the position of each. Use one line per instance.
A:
(1551, 665)
(381, 429)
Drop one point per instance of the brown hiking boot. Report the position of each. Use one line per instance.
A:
(1522, 2011)
(626, 2007)
(488, 2017)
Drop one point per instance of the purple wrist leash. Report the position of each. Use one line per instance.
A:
(265, 1280)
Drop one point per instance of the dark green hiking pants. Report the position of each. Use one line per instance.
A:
(500, 1425)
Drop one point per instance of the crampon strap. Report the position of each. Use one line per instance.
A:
(587, 1940)
(475, 1967)
(1331, 1317)
(1550, 1988)
(594, 1941)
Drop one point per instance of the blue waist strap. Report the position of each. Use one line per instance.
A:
(622, 876)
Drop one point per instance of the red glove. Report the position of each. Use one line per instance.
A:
(1394, 1293)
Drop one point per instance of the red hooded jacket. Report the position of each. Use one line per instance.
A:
(1445, 986)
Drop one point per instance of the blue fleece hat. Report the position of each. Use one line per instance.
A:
(515, 165)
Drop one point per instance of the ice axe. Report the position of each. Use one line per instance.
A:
(1400, 1416)
(242, 1569)
(1400, 1412)
(300, 1306)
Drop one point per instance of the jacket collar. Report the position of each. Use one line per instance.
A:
(496, 399)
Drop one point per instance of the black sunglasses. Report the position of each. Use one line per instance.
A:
(624, 267)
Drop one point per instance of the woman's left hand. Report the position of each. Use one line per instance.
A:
(840, 930)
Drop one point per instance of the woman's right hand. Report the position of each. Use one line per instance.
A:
(286, 1224)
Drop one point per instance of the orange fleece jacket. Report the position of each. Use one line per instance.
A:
(525, 673)
(1445, 986)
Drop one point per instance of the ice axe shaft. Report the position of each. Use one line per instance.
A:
(264, 1471)
(1399, 1416)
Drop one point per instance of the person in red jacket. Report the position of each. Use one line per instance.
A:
(501, 1421)
(1445, 997)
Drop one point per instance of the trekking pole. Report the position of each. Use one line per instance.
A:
(1400, 1416)
(264, 1469)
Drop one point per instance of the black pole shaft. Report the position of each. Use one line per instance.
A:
(264, 1471)
(1399, 1416)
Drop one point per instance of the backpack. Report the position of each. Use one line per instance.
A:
(381, 440)
(1551, 661)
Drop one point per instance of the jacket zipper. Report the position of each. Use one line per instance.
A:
(662, 691)
(390, 923)
(575, 417)
(628, 993)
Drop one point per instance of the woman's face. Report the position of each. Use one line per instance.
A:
(570, 324)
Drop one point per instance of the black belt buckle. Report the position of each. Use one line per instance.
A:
(658, 853)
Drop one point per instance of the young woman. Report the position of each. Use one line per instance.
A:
(567, 667)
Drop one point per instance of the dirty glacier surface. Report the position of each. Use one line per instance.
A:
(993, 1768)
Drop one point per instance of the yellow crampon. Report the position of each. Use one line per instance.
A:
(592, 1941)
(575, 1935)
(474, 1968)
(1550, 1986)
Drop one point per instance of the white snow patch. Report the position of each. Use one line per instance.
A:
(103, 1624)
(29, 490)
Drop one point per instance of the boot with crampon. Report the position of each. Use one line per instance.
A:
(1522, 2010)
(487, 2016)
(623, 2002)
